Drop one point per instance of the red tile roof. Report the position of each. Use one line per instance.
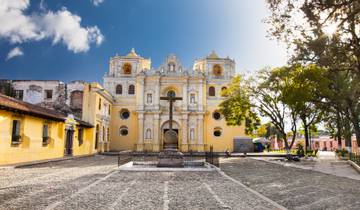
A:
(17, 106)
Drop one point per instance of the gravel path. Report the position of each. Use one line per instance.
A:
(94, 183)
(295, 188)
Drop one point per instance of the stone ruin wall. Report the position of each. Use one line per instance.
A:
(66, 98)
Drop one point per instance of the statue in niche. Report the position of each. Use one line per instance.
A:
(217, 70)
(127, 68)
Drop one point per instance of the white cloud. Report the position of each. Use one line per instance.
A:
(97, 2)
(62, 25)
(15, 25)
(14, 53)
(65, 26)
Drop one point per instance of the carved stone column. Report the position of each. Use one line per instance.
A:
(200, 133)
(185, 95)
(156, 133)
(140, 144)
(140, 92)
(157, 94)
(185, 142)
(200, 107)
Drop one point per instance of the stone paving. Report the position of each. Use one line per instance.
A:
(295, 188)
(94, 183)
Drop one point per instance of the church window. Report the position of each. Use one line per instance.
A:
(99, 103)
(131, 90)
(148, 133)
(123, 131)
(48, 94)
(211, 91)
(124, 114)
(119, 89)
(127, 68)
(192, 98)
(217, 132)
(224, 92)
(217, 70)
(216, 115)
(171, 93)
(192, 134)
(149, 98)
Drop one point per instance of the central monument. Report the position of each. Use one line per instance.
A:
(170, 156)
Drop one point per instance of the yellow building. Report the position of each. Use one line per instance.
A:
(139, 118)
(31, 133)
(97, 106)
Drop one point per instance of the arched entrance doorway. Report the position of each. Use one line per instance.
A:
(165, 127)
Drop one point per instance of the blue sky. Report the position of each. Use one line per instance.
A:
(61, 46)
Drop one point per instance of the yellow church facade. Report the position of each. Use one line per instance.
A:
(139, 118)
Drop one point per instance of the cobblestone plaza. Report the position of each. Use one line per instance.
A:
(95, 183)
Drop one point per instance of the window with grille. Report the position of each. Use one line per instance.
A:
(119, 89)
(16, 132)
(131, 90)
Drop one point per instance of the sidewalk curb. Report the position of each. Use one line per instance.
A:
(354, 165)
(39, 162)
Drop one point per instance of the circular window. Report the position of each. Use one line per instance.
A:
(171, 93)
(216, 115)
(124, 114)
(124, 131)
(217, 132)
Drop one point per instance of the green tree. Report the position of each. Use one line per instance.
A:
(237, 108)
(325, 33)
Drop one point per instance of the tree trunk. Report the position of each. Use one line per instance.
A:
(306, 133)
(339, 129)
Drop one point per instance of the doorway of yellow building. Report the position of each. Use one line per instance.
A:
(69, 142)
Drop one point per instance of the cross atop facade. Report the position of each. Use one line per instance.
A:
(171, 98)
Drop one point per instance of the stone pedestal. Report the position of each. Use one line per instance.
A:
(171, 158)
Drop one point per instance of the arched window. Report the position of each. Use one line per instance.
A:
(118, 89)
(148, 133)
(131, 90)
(211, 91)
(127, 68)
